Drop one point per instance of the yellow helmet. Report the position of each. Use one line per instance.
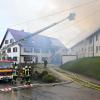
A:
(11, 67)
(16, 67)
(26, 67)
(29, 66)
(23, 68)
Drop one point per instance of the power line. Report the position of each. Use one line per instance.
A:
(71, 16)
(53, 14)
(41, 30)
(82, 19)
(80, 34)
(86, 17)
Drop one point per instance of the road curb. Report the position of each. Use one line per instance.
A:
(81, 81)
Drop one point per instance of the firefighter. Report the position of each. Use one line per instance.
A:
(30, 71)
(45, 63)
(27, 75)
(22, 75)
(15, 75)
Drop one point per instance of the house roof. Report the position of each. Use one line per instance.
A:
(96, 32)
(38, 41)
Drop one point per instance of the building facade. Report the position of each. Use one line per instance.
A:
(88, 47)
(36, 48)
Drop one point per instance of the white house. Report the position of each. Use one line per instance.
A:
(35, 48)
(88, 47)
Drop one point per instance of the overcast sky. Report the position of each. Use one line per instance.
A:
(28, 15)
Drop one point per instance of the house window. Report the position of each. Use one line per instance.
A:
(4, 52)
(11, 40)
(28, 58)
(90, 41)
(97, 37)
(82, 49)
(44, 58)
(88, 49)
(91, 48)
(27, 49)
(52, 51)
(3, 58)
(15, 58)
(9, 58)
(15, 49)
(9, 50)
(45, 51)
(36, 50)
(96, 49)
(85, 49)
(6, 41)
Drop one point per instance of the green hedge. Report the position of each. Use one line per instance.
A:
(44, 77)
(48, 78)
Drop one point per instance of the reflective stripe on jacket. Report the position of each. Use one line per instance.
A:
(15, 73)
(27, 72)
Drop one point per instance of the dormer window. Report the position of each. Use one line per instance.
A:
(11, 40)
(6, 41)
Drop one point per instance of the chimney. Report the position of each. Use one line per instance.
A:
(22, 30)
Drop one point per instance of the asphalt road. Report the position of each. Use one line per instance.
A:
(72, 91)
(64, 92)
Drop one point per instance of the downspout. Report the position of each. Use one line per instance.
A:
(93, 45)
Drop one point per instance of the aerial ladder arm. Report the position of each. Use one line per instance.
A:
(70, 17)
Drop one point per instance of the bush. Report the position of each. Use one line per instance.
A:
(48, 78)
(44, 77)
(44, 73)
(36, 75)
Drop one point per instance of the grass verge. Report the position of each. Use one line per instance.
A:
(85, 66)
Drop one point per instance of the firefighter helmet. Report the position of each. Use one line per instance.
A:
(26, 67)
(16, 67)
(29, 66)
(23, 68)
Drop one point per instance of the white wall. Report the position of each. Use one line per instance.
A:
(67, 58)
(87, 47)
(12, 54)
(17, 54)
(40, 55)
